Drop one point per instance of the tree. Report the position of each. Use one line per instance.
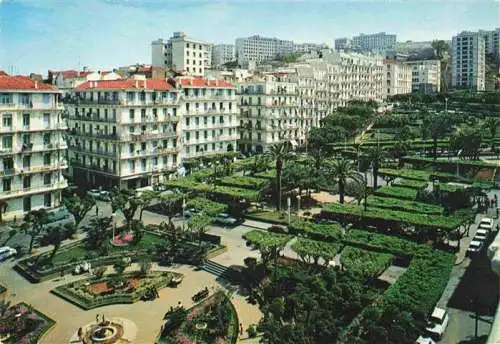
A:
(491, 123)
(78, 207)
(33, 224)
(198, 224)
(12, 233)
(97, 232)
(126, 201)
(376, 157)
(3, 208)
(357, 189)
(4, 307)
(145, 200)
(436, 126)
(468, 141)
(280, 152)
(342, 171)
(119, 267)
(145, 266)
(55, 237)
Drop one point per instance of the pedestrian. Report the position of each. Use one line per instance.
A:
(497, 213)
(96, 211)
(97, 318)
(241, 329)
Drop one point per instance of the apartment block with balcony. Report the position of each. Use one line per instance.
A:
(399, 78)
(32, 147)
(209, 116)
(182, 54)
(426, 75)
(269, 112)
(468, 61)
(123, 132)
(259, 49)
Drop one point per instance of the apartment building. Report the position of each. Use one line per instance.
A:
(343, 44)
(32, 146)
(468, 61)
(374, 42)
(209, 119)
(491, 41)
(398, 78)
(222, 54)
(123, 132)
(426, 75)
(308, 47)
(259, 49)
(269, 112)
(182, 54)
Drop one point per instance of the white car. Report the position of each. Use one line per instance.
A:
(438, 322)
(7, 252)
(481, 235)
(486, 223)
(475, 247)
(424, 340)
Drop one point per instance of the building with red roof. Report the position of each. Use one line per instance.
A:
(32, 146)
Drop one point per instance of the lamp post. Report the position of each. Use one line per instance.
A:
(289, 203)
(458, 160)
(298, 204)
(113, 217)
(183, 213)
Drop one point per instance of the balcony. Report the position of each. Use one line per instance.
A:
(33, 190)
(92, 118)
(87, 101)
(149, 136)
(94, 135)
(8, 172)
(93, 167)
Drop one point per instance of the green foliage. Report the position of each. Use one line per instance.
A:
(326, 231)
(365, 263)
(289, 57)
(397, 192)
(410, 183)
(78, 207)
(206, 206)
(450, 163)
(243, 182)
(125, 200)
(269, 244)
(347, 211)
(404, 205)
(311, 250)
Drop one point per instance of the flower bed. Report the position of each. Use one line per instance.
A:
(23, 324)
(92, 293)
(122, 239)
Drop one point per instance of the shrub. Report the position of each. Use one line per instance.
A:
(252, 331)
(99, 271)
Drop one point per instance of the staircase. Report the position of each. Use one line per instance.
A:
(216, 269)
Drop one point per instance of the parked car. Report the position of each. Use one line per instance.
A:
(481, 235)
(58, 217)
(227, 220)
(98, 194)
(437, 323)
(424, 340)
(6, 252)
(191, 212)
(475, 247)
(278, 229)
(70, 190)
(486, 223)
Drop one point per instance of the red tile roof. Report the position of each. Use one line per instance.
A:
(199, 82)
(151, 84)
(19, 82)
(2, 73)
(70, 73)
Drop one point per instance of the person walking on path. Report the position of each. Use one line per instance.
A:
(96, 211)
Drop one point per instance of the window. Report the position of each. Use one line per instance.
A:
(205, 134)
(143, 164)
(130, 96)
(46, 139)
(46, 120)
(47, 178)
(46, 98)
(25, 99)
(131, 166)
(187, 121)
(197, 120)
(5, 98)
(221, 119)
(26, 120)
(27, 162)
(7, 184)
(27, 203)
(155, 161)
(47, 200)
(143, 146)
(188, 135)
(197, 135)
(26, 139)
(46, 159)
(7, 121)
(143, 114)
(26, 182)
(7, 142)
(132, 115)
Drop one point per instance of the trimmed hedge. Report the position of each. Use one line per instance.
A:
(326, 231)
(397, 192)
(449, 163)
(366, 263)
(244, 182)
(410, 183)
(307, 249)
(229, 191)
(277, 218)
(208, 207)
(348, 213)
(403, 205)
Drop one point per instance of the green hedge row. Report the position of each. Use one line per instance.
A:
(397, 192)
(449, 163)
(243, 182)
(403, 205)
(363, 262)
(410, 183)
(326, 231)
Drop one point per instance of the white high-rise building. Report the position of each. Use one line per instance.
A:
(209, 116)
(259, 49)
(222, 54)
(343, 44)
(468, 61)
(32, 148)
(182, 54)
(491, 41)
(308, 47)
(375, 41)
(123, 132)
(399, 78)
(426, 75)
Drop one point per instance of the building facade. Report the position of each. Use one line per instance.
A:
(343, 44)
(123, 132)
(308, 47)
(182, 54)
(426, 75)
(32, 146)
(376, 41)
(222, 54)
(260, 49)
(468, 61)
(209, 116)
(399, 78)
(491, 41)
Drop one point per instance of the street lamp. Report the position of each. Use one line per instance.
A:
(298, 204)
(458, 160)
(289, 203)
(113, 217)
(183, 213)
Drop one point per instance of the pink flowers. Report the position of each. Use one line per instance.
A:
(181, 339)
(194, 313)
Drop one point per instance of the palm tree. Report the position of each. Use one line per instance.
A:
(280, 152)
(343, 171)
(376, 156)
(491, 123)
(33, 224)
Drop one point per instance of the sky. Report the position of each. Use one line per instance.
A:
(37, 35)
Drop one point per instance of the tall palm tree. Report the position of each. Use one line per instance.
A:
(376, 156)
(280, 152)
(343, 171)
(491, 123)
